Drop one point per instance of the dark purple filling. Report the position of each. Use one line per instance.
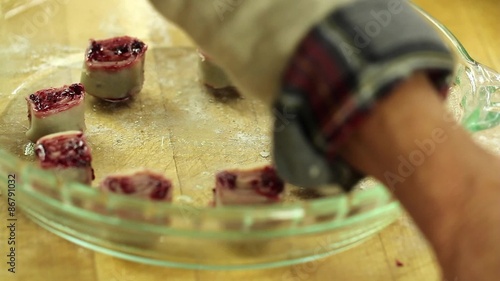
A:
(124, 184)
(160, 191)
(137, 46)
(227, 179)
(121, 50)
(55, 97)
(77, 89)
(64, 151)
(114, 49)
(94, 49)
(271, 184)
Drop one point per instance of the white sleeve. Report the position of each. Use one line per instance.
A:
(252, 40)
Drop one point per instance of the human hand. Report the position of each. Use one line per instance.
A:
(251, 40)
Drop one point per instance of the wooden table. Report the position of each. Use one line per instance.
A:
(398, 253)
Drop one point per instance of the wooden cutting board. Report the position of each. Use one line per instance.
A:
(397, 253)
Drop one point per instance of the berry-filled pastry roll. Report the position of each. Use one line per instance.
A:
(247, 187)
(141, 183)
(66, 153)
(56, 110)
(215, 80)
(114, 68)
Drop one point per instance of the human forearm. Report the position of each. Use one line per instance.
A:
(433, 167)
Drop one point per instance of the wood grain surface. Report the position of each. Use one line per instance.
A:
(398, 253)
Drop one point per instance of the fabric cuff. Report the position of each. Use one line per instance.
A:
(341, 69)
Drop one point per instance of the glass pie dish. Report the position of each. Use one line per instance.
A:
(176, 128)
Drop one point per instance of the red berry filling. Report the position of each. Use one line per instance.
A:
(56, 98)
(63, 151)
(115, 49)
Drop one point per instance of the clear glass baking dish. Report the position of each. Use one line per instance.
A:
(174, 127)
